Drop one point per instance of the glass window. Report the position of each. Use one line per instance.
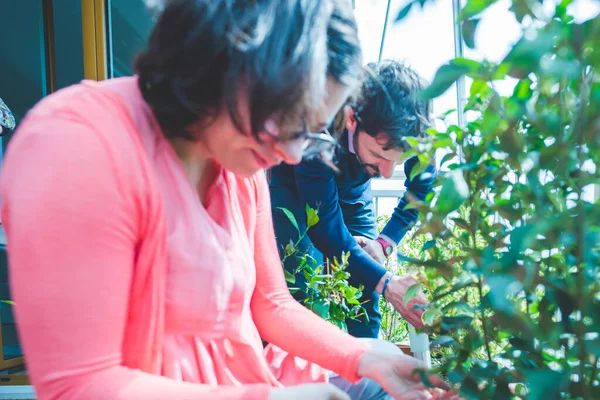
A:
(413, 41)
(130, 24)
(370, 17)
(22, 56)
(68, 43)
(423, 48)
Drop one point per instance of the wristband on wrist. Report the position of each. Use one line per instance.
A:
(388, 248)
(385, 285)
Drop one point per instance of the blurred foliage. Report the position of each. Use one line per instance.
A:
(326, 292)
(510, 244)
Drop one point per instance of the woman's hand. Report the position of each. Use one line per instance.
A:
(313, 391)
(393, 370)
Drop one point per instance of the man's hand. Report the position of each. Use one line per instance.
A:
(394, 294)
(372, 247)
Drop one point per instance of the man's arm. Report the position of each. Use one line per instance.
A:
(316, 187)
(403, 219)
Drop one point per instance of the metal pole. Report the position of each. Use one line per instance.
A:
(387, 14)
(419, 345)
(458, 52)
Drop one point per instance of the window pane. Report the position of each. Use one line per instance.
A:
(386, 205)
(68, 42)
(414, 41)
(22, 56)
(10, 343)
(370, 17)
(130, 25)
(423, 47)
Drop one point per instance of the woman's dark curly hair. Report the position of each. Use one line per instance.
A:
(202, 53)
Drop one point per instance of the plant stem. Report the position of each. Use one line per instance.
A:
(483, 324)
(580, 234)
(285, 257)
(594, 371)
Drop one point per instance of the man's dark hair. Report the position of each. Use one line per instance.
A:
(202, 53)
(389, 103)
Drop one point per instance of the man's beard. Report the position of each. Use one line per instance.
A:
(371, 169)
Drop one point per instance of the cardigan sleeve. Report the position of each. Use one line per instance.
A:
(283, 321)
(72, 230)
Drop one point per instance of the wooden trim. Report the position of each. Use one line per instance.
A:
(14, 380)
(12, 363)
(94, 39)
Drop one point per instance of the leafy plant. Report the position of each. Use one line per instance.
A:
(327, 291)
(512, 238)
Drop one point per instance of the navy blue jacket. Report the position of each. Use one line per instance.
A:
(344, 202)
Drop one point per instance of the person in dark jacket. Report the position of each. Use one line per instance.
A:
(372, 143)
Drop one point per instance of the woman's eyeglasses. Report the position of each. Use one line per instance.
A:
(321, 144)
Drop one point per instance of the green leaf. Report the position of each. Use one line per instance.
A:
(445, 76)
(404, 12)
(454, 192)
(428, 245)
(459, 307)
(429, 315)
(523, 90)
(340, 324)
(289, 277)
(312, 217)
(479, 87)
(474, 7)
(468, 29)
(12, 303)
(459, 321)
(521, 390)
(462, 223)
(291, 217)
(525, 55)
(545, 383)
(521, 9)
(411, 293)
(418, 168)
(443, 341)
(445, 114)
(289, 249)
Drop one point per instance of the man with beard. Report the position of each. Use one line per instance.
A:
(373, 134)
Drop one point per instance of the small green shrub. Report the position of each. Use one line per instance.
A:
(327, 292)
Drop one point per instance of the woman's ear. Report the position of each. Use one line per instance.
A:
(350, 120)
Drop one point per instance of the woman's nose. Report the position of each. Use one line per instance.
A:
(291, 151)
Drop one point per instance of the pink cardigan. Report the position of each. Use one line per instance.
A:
(88, 262)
